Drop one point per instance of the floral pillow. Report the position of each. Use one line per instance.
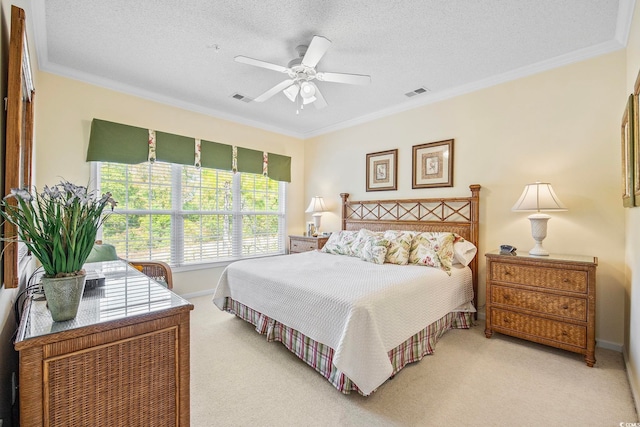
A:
(399, 246)
(339, 243)
(361, 239)
(433, 249)
(374, 250)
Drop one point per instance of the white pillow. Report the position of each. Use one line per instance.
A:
(463, 251)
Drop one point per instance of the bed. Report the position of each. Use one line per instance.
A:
(355, 322)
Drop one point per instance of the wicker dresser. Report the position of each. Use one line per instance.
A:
(549, 300)
(123, 361)
(305, 243)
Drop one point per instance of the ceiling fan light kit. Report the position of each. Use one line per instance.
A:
(301, 72)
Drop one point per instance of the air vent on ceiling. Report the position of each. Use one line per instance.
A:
(418, 91)
(242, 98)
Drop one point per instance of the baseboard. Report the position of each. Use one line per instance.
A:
(634, 392)
(609, 345)
(198, 294)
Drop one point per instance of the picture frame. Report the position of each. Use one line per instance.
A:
(636, 141)
(382, 170)
(432, 165)
(19, 138)
(311, 229)
(627, 146)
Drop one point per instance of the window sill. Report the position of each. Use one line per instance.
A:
(216, 264)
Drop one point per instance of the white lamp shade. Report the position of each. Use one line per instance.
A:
(316, 205)
(292, 92)
(538, 197)
(307, 90)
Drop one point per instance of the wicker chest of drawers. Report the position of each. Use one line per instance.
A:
(549, 300)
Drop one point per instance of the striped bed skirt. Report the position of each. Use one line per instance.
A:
(320, 356)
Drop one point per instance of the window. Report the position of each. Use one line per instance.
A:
(185, 215)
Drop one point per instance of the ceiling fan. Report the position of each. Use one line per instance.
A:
(302, 72)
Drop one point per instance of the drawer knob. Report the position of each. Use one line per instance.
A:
(507, 297)
(507, 320)
(565, 306)
(564, 333)
(565, 280)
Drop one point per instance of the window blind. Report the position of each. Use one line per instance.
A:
(186, 215)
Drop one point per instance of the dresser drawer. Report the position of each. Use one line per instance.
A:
(302, 246)
(552, 278)
(571, 308)
(558, 331)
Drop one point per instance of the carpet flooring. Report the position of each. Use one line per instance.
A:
(240, 379)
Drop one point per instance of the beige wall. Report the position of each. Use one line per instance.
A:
(560, 126)
(66, 107)
(632, 258)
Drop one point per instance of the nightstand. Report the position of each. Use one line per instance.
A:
(305, 243)
(545, 299)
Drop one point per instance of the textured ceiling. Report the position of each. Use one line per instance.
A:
(181, 52)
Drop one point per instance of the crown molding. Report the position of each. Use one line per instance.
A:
(623, 22)
(167, 100)
(431, 98)
(623, 25)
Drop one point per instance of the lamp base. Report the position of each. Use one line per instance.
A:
(539, 232)
(316, 224)
(538, 250)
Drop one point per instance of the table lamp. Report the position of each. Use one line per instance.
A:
(538, 196)
(316, 207)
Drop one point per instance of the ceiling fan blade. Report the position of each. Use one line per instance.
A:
(320, 101)
(352, 79)
(316, 50)
(259, 63)
(277, 88)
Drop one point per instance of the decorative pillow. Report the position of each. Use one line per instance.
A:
(361, 239)
(102, 252)
(399, 246)
(374, 250)
(463, 251)
(339, 243)
(433, 249)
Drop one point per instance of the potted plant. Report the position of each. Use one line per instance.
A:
(59, 227)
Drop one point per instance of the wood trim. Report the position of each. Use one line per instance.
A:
(19, 134)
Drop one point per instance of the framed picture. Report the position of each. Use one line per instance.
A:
(636, 141)
(311, 229)
(433, 165)
(626, 134)
(382, 170)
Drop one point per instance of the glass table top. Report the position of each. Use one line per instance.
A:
(126, 293)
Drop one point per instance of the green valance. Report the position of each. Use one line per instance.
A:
(279, 167)
(115, 142)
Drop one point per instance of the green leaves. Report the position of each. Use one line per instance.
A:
(59, 225)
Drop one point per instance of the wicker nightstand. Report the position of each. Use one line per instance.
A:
(549, 300)
(305, 243)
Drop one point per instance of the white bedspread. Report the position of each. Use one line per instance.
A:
(361, 310)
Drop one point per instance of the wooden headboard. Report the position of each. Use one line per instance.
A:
(456, 214)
